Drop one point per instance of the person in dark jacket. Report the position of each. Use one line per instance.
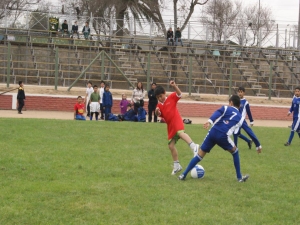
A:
(107, 100)
(65, 27)
(152, 103)
(130, 115)
(86, 31)
(75, 29)
(170, 36)
(21, 97)
(178, 36)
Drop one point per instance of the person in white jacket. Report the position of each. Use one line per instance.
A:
(102, 85)
(138, 95)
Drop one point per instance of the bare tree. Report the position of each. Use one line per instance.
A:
(260, 23)
(220, 16)
(12, 9)
(186, 8)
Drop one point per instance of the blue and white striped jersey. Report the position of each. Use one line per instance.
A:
(295, 108)
(227, 120)
(245, 110)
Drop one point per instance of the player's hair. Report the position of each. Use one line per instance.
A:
(153, 83)
(297, 88)
(20, 82)
(95, 86)
(235, 99)
(159, 90)
(106, 85)
(89, 82)
(128, 105)
(102, 82)
(79, 97)
(242, 89)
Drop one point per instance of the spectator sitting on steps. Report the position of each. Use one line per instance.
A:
(86, 31)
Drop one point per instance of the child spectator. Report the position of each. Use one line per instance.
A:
(107, 100)
(75, 30)
(245, 109)
(79, 109)
(123, 104)
(178, 37)
(167, 109)
(21, 97)
(130, 115)
(88, 92)
(102, 85)
(95, 103)
(86, 31)
(295, 109)
(226, 121)
(152, 103)
(141, 114)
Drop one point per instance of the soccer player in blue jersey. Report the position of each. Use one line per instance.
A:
(245, 109)
(295, 109)
(225, 121)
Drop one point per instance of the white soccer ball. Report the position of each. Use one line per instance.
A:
(198, 172)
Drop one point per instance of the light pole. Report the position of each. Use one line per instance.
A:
(298, 44)
(285, 36)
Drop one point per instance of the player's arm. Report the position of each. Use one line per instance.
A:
(291, 109)
(157, 111)
(176, 88)
(249, 115)
(214, 117)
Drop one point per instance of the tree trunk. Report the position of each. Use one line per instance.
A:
(175, 13)
(120, 15)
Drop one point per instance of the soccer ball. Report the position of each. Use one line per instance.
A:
(198, 172)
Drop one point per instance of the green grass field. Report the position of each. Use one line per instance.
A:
(75, 172)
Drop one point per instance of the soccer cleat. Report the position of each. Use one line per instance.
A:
(287, 144)
(196, 150)
(181, 177)
(258, 149)
(250, 144)
(244, 178)
(176, 170)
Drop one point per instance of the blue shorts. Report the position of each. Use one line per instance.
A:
(215, 137)
(80, 117)
(296, 124)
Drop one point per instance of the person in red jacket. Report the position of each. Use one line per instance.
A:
(167, 109)
(79, 109)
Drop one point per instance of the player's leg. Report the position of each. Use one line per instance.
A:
(295, 126)
(97, 115)
(243, 137)
(150, 112)
(206, 146)
(194, 147)
(227, 144)
(235, 137)
(91, 115)
(88, 110)
(177, 167)
(251, 134)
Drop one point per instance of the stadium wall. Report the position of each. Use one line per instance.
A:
(186, 108)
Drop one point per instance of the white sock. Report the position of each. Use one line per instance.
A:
(192, 145)
(176, 164)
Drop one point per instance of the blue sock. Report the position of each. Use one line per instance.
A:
(235, 139)
(91, 117)
(291, 136)
(236, 162)
(192, 164)
(244, 138)
(96, 117)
